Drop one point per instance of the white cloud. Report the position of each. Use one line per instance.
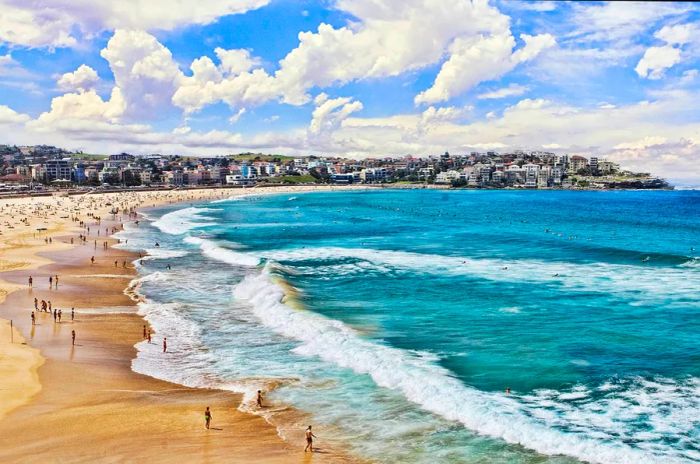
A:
(619, 22)
(446, 113)
(513, 90)
(478, 59)
(646, 142)
(10, 116)
(82, 79)
(144, 71)
(234, 119)
(382, 42)
(236, 61)
(657, 60)
(86, 106)
(331, 112)
(8, 65)
(678, 34)
(60, 23)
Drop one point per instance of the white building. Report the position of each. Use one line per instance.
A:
(446, 177)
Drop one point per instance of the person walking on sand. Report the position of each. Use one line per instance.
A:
(144, 331)
(56, 281)
(59, 316)
(207, 418)
(72, 334)
(259, 399)
(165, 344)
(33, 318)
(309, 440)
(31, 281)
(92, 260)
(50, 281)
(72, 314)
(36, 303)
(55, 315)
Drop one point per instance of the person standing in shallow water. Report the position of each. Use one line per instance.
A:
(309, 440)
(165, 344)
(207, 417)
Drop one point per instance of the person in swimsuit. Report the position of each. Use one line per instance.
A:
(259, 400)
(207, 417)
(309, 440)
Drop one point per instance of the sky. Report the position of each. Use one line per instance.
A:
(356, 78)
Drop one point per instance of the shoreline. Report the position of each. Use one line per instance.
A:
(120, 404)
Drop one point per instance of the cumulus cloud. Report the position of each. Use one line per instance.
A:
(60, 23)
(330, 113)
(10, 116)
(232, 81)
(236, 61)
(86, 106)
(446, 113)
(144, 71)
(82, 79)
(384, 39)
(478, 59)
(657, 60)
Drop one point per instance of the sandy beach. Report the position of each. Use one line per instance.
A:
(61, 402)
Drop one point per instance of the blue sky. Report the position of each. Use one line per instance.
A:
(356, 77)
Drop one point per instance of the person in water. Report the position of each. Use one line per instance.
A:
(259, 399)
(309, 440)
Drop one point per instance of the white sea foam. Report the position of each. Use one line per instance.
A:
(187, 353)
(213, 250)
(164, 253)
(157, 276)
(429, 385)
(183, 220)
(510, 309)
(637, 282)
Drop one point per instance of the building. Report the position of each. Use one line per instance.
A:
(607, 167)
(374, 175)
(446, 177)
(577, 163)
(122, 157)
(238, 179)
(531, 173)
(346, 178)
(174, 177)
(58, 169)
(146, 177)
(593, 164)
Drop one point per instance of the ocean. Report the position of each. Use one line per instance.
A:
(434, 326)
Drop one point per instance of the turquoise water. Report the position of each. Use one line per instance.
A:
(397, 319)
